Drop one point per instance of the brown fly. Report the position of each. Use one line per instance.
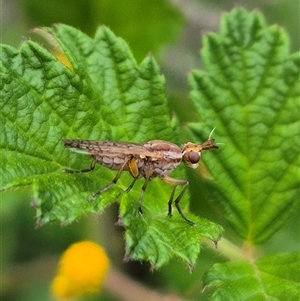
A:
(155, 158)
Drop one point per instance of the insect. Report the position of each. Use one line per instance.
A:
(155, 158)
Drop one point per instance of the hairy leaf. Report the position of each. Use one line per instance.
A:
(250, 93)
(274, 277)
(90, 89)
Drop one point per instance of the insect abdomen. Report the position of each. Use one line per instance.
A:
(111, 162)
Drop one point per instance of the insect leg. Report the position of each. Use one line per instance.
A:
(134, 171)
(142, 194)
(131, 185)
(175, 183)
(148, 174)
(171, 201)
(92, 167)
(114, 181)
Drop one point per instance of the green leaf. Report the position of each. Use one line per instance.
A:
(160, 238)
(250, 93)
(274, 277)
(90, 89)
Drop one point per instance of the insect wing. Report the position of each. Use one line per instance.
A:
(108, 148)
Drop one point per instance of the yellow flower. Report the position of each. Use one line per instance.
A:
(82, 269)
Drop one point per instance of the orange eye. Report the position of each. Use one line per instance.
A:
(193, 157)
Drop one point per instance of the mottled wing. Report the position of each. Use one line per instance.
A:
(109, 148)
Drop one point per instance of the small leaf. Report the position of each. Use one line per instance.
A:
(90, 89)
(274, 277)
(159, 238)
(250, 94)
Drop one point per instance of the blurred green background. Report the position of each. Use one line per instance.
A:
(171, 31)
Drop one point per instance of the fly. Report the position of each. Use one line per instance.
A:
(155, 158)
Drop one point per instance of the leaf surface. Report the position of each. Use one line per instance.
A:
(250, 93)
(274, 277)
(87, 88)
